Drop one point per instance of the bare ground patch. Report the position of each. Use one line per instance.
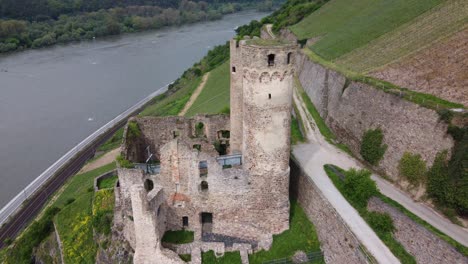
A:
(440, 69)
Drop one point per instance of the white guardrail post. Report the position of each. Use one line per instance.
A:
(35, 185)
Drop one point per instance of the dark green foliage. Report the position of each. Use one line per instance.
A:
(47, 26)
(359, 181)
(186, 257)
(381, 222)
(372, 149)
(446, 115)
(447, 181)
(133, 130)
(199, 129)
(412, 168)
(178, 237)
(294, 11)
(225, 110)
(8, 241)
(21, 251)
(124, 163)
(102, 222)
(359, 187)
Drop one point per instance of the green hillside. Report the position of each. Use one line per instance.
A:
(215, 95)
(341, 26)
(439, 22)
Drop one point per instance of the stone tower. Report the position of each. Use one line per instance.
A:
(262, 78)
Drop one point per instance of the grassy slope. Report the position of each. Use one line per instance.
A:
(300, 236)
(173, 104)
(441, 21)
(74, 222)
(343, 27)
(215, 95)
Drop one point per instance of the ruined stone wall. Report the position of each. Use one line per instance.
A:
(337, 242)
(417, 240)
(157, 131)
(352, 110)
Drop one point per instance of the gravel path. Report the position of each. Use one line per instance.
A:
(194, 95)
(101, 161)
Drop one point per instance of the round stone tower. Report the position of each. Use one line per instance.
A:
(267, 88)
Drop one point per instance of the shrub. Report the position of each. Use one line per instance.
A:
(380, 222)
(359, 187)
(413, 168)
(69, 201)
(372, 149)
(178, 237)
(124, 163)
(199, 131)
(133, 130)
(102, 222)
(438, 187)
(225, 110)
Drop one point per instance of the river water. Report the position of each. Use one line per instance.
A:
(51, 99)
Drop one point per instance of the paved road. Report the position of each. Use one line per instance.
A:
(429, 215)
(317, 144)
(311, 157)
(25, 206)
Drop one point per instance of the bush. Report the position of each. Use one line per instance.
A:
(413, 168)
(438, 187)
(178, 237)
(133, 130)
(102, 222)
(372, 149)
(22, 250)
(380, 222)
(359, 187)
(124, 163)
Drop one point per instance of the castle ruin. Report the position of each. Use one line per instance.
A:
(226, 178)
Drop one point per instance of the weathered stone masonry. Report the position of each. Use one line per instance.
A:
(182, 181)
(350, 109)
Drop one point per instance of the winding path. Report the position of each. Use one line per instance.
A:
(195, 95)
(315, 153)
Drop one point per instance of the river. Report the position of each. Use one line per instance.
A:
(51, 99)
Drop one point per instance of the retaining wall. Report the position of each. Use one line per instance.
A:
(352, 108)
(338, 243)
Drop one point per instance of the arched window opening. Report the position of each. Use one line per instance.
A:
(271, 60)
(269, 96)
(204, 186)
(149, 185)
(159, 210)
(233, 69)
(289, 57)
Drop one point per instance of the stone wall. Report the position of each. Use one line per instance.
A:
(337, 242)
(417, 240)
(352, 108)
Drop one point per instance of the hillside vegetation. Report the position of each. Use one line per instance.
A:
(215, 95)
(341, 27)
(439, 22)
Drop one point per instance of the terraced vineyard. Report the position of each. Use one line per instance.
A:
(215, 95)
(440, 22)
(341, 27)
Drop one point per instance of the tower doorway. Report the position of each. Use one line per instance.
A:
(207, 223)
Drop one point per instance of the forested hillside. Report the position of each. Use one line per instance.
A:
(45, 9)
(40, 23)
